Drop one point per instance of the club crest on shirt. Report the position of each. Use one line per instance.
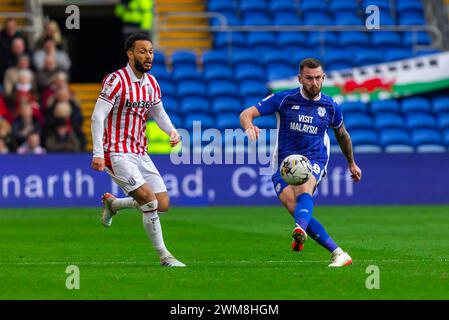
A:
(321, 111)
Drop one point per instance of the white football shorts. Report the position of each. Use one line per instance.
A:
(130, 171)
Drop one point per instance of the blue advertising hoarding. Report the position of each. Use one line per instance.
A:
(66, 180)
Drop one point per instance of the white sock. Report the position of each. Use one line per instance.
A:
(337, 251)
(124, 203)
(153, 227)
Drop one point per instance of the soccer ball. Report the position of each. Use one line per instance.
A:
(296, 169)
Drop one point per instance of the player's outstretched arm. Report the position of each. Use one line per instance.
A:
(163, 121)
(344, 140)
(246, 121)
(100, 113)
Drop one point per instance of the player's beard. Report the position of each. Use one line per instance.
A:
(139, 66)
(313, 92)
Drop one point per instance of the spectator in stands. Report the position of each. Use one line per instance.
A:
(5, 131)
(52, 30)
(11, 57)
(4, 111)
(12, 75)
(46, 74)
(32, 145)
(7, 35)
(65, 106)
(3, 146)
(61, 138)
(24, 124)
(62, 58)
(57, 81)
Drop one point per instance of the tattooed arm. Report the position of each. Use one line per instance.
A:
(344, 140)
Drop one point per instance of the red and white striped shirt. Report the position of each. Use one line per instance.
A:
(131, 100)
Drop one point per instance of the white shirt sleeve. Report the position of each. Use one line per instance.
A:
(157, 112)
(101, 111)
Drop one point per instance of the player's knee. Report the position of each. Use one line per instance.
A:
(164, 206)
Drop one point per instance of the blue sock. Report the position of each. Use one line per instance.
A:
(316, 230)
(303, 210)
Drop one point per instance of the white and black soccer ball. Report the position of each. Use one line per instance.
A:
(296, 169)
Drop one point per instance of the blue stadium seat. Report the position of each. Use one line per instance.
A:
(443, 121)
(337, 56)
(222, 6)
(333, 66)
(382, 4)
(411, 20)
(348, 19)
(398, 54)
(249, 71)
(223, 39)
(395, 137)
(286, 39)
(159, 58)
(425, 52)
(252, 6)
(167, 87)
(256, 19)
(343, 6)
(420, 120)
(228, 121)
(191, 88)
(409, 6)
(285, 5)
(329, 38)
(368, 57)
(249, 101)
(231, 19)
(426, 137)
(386, 39)
(276, 56)
(440, 104)
(218, 72)
(356, 106)
(348, 38)
(187, 72)
(183, 58)
(170, 104)
(281, 72)
(389, 120)
(389, 105)
(358, 120)
(312, 6)
(317, 19)
(299, 54)
(286, 19)
(245, 56)
(176, 120)
(416, 38)
(226, 104)
(446, 137)
(386, 19)
(253, 88)
(206, 120)
(256, 39)
(215, 57)
(222, 89)
(266, 122)
(160, 72)
(364, 137)
(419, 104)
(194, 104)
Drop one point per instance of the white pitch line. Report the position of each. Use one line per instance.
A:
(149, 263)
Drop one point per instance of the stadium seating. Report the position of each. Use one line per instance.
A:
(234, 73)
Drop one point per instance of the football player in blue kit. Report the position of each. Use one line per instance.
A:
(303, 117)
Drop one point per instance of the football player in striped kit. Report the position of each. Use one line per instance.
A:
(128, 97)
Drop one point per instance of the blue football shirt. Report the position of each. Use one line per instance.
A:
(302, 124)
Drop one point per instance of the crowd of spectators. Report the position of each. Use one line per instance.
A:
(38, 111)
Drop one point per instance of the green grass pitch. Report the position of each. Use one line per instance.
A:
(231, 253)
